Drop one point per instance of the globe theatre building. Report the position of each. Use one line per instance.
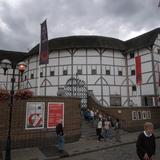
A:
(105, 66)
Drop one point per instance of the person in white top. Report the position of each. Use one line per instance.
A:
(99, 130)
(92, 117)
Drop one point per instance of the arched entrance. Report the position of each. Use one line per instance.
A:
(76, 87)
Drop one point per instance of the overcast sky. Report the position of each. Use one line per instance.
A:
(123, 19)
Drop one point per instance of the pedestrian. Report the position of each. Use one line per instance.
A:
(92, 117)
(145, 144)
(99, 130)
(107, 131)
(60, 136)
(117, 128)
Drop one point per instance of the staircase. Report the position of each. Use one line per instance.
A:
(88, 131)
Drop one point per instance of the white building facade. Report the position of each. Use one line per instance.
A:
(104, 65)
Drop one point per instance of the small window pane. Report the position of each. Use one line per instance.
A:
(79, 71)
(120, 73)
(51, 73)
(132, 54)
(41, 74)
(134, 88)
(65, 72)
(132, 72)
(107, 72)
(94, 71)
(32, 76)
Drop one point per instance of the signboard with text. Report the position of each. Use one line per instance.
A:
(55, 113)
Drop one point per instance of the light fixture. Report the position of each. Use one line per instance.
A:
(5, 64)
(21, 67)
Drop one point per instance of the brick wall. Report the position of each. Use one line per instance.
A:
(26, 138)
(125, 114)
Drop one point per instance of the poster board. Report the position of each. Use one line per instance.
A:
(144, 115)
(134, 115)
(55, 113)
(35, 115)
(148, 114)
(141, 115)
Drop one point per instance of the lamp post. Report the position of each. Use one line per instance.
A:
(6, 64)
(76, 84)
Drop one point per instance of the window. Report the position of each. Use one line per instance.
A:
(107, 72)
(134, 88)
(32, 76)
(131, 54)
(79, 71)
(120, 73)
(25, 77)
(51, 73)
(65, 72)
(158, 51)
(132, 72)
(115, 100)
(94, 71)
(41, 74)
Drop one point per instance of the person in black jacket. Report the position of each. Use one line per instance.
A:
(60, 136)
(145, 144)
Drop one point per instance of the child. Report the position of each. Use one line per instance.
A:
(146, 143)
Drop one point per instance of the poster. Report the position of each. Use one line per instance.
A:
(35, 115)
(139, 115)
(55, 113)
(134, 115)
(148, 114)
(144, 115)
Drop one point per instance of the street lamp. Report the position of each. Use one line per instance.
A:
(76, 84)
(7, 64)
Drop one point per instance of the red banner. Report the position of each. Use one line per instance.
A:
(138, 70)
(55, 113)
(43, 50)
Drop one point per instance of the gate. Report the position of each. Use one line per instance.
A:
(76, 87)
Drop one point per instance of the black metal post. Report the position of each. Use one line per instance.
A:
(76, 84)
(8, 146)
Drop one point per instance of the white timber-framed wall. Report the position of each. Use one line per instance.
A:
(93, 64)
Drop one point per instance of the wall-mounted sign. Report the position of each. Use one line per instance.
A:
(144, 115)
(141, 115)
(134, 115)
(35, 115)
(55, 113)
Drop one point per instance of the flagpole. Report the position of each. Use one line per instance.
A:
(38, 73)
(137, 97)
(45, 89)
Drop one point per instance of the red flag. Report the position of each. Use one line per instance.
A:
(43, 52)
(138, 70)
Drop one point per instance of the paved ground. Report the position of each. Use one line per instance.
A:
(87, 148)
(124, 152)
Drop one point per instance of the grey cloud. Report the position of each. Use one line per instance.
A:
(113, 18)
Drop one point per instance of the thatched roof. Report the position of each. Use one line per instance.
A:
(142, 41)
(13, 56)
(82, 42)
